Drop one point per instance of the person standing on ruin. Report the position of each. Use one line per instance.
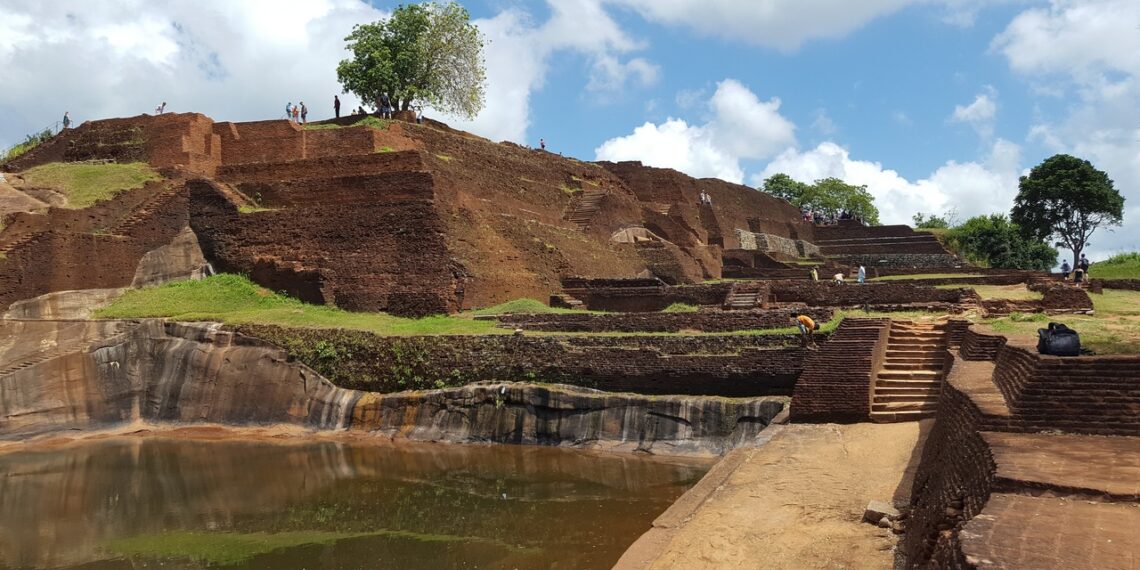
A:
(814, 275)
(304, 113)
(862, 274)
(385, 106)
(1083, 264)
(807, 328)
(160, 109)
(1065, 271)
(336, 106)
(66, 120)
(289, 111)
(542, 144)
(296, 113)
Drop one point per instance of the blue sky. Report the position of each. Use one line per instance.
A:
(933, 104)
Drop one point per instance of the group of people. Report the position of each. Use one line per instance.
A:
(839, 278)
(298, 113)
(1082, 272)
(705, 199)
(810, 215)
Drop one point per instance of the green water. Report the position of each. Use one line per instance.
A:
(149, 503)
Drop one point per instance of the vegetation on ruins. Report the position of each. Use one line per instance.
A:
(1119, 266)
(681, 308)
(425, 53)
(994, 241)
(1067, 199)
(1113, 328)
(85, 183)
(932, 221)
(827, 197)
(30, 142)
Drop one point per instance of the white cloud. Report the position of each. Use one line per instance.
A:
(972, 188)
(1088, 51)
(741, 127)
(980, 114)
(902, 118)
(823, 123)
(610, 74)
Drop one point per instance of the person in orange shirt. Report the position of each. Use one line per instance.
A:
(807, 328)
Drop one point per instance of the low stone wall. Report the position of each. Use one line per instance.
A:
(836, 383)
(736, 366)
(1125, 284)
(979, 346)
(648, 298)
(775, 244)
(704, 321)
(925, 261)
(827, 294)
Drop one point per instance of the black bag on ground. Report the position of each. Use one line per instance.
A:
(1058, 340)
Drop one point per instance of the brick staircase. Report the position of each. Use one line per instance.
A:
(27, 361)
(583, 208)
(740, 298)
(143, 211)
(907, 385)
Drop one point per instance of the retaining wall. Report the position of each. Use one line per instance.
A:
(836, 383)
(704, 321)
(852, 294)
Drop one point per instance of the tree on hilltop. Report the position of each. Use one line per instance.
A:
(1067, 199)
(829, 197)
(994, 241)
(425, 53)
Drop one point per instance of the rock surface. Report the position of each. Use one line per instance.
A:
(58, 375)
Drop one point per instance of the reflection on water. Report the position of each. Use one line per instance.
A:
(146, 503)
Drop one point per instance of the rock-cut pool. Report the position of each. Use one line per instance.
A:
(160, 503)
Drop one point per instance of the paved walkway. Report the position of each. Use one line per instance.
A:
(795, 502)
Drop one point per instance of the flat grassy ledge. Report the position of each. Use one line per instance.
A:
(85, 183)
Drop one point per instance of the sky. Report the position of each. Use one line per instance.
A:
(937, 106)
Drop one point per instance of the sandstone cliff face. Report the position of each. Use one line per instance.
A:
(100, 373)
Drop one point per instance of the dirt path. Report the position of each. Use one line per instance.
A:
(795, 502)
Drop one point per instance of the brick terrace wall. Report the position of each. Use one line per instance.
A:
(751, 259)
(260, 141)
(1062, 297)
(372, 243)
(349, 165)
(956, 472)
(1126, 284)
(924, 261)
(979, 346)
(648, 299)
(694, 365)
(775, 244)
(838, 232)
(852, 294)
(669, 263)
(1092, 395)
(836, 383)
(705, 321)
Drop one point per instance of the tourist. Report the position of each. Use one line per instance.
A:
(838, 277)
(1078, 276)
(160, 109)
(1065, 271)
(304, 113)
(542, 144)
(420, 115)
(1083, 263)
(66, 120)
(807, 328)
(289, 111)
(385, 106)
(296, 113)
(862, 274)
(336, 106)
(814, 275)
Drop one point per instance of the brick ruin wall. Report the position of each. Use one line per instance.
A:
(620, 298)
(852, 295)
(366, 243)
(925, 261)
(1124, 284)
(348, 165)
(98, 248)
(732, 366)
(704, 321)
(836, 383)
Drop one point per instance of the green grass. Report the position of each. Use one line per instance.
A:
(234, 299)
(681, 308)
(254, 209)
(320, 127)
(1119, 266)
(926, 276)
(232, 548)
(86, 183)
(528, 306)
(373, 122)
(386, 149)
(1114, 328)
(445, 157)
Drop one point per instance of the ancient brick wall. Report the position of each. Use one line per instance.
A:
(775, 244)
(836, 383)
(923, 261)
(705, 321)
(852, 294)
(348, 165)
(623, 298)
(848, 232)
(694, 365)
(1126, 284)
(978, 346)
(260, 141)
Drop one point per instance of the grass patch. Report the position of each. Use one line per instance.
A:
(320, 126)
(926, 276)
(234, 299)
(569, 190)
(255, 209)
(386, 148)
(1011, 292)
(1113, 329)
(681, 308)
(86, 183)
(444, 157)
(373, 122)
(1119, 266)
(527, 306)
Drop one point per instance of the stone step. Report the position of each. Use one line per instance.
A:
(930, 399)
(934, 366)
(919, 392)
(910, 374)
(896, 352)
(932, 359)
(904, 416)
(913, 406)
(913, 384)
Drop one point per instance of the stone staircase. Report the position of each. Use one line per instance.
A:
(907, 384)
(583, 208)
(143, 211)
(738, 300)
(27, 361)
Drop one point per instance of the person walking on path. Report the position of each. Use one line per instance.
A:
(1065, 271)
(1084, 264)
(385, 106)
(66, 120)
(807, 328)
(862, 274)
(304, 113)
(814, 275)
(336, 106)
(289, 111)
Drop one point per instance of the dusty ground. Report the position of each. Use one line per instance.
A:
(797, 502)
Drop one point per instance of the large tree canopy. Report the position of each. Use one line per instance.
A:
(424, 53)
(1065, 198)
(994, 241)
(828, 197)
